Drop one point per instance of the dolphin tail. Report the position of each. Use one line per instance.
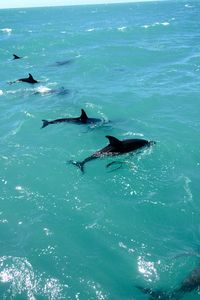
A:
(45, 123)
(79, 164)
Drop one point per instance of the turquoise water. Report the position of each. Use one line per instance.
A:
(98, 235)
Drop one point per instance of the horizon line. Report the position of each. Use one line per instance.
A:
(81, 4)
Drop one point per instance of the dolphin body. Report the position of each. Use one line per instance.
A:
(29, 79)
(115, 147)
(189, 284)
(83, 119)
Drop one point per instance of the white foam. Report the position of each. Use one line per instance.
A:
(1, 92)
(13, 92)
(43, 89)
(165, 23)
(90, 29)
(123, 28)
(130, 133)
(156, 24)
(146, 26)
(47, 231)
(188, 6)
(18, 188)
(187, 188)
(92, 105)
(6, 30)
(28, 114)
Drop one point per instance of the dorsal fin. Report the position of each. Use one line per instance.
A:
(114, 141)
(30, 76)
(83, 115)
(16, 56)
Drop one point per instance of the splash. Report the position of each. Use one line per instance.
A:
(6, 30)
(43, 89)
(20, 277)
(123, 28)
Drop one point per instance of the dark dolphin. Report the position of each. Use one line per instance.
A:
(29, 79)
(189, 284)
(64, 62)
(115, 147)
(83, 119)
(16, 56)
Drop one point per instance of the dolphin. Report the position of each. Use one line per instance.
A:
(29, 79)
(64, 62)
(115, 147)
(83, 119)
(189, 284)
(16, 56)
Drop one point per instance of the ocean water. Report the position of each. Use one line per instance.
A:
(101, 234)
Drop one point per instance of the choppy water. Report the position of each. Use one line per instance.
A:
(65, 235)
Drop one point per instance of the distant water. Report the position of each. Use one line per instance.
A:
(65, 235)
